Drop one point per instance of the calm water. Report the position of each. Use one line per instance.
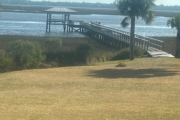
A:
(34, 24)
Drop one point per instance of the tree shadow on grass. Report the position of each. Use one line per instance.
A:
(132, 73)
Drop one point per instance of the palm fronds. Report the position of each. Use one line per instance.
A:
(125, 22)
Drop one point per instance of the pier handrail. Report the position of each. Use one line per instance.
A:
(141, 41)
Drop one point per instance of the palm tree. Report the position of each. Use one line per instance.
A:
(0, 6)
(175, 23)
(133, 9)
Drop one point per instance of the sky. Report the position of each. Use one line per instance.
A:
(158, 2)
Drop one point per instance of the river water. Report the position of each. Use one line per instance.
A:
(14, 23)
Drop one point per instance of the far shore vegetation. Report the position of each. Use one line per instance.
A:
(80, 10)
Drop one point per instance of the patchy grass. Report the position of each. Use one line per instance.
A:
(146, 89)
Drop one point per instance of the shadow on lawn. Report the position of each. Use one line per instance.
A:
(130, 73)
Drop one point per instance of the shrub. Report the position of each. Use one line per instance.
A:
(124, 53)
(52, 50)
(6, 63)
(25, 54)
(66, 58)
(83, 54)
(138, 52)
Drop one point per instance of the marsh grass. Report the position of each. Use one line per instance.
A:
(146, 89)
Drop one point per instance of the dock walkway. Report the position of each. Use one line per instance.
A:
(117, 37)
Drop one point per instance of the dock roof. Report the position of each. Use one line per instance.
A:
(60, 10)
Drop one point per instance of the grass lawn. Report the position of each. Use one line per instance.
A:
(146, 89)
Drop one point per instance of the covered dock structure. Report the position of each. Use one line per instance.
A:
(64, 20)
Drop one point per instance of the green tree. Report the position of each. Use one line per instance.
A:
(25, 54)
(133, 9)
(175, 23)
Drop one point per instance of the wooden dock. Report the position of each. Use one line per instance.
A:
(106, 35)
(119, 38)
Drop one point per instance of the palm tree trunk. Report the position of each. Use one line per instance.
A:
(177, 44)
(132, 38)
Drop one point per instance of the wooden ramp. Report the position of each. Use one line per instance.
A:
(158, 53)
(118, 38)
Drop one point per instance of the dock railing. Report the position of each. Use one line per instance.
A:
(146, 43)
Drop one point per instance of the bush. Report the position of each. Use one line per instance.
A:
(52, 50)
(83, 54)
(6, 63)
(124, 53)
(25, 54)
(66, 58)
(138, 52)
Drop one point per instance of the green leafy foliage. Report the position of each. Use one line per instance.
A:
(25, 54)
(83, 52)
(81, 55)
(124, 53)
(175, 23)
(6, 62)
(137, 8)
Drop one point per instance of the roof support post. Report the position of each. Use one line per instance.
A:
(49, 22)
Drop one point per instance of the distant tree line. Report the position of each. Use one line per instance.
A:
(167, 8)
(15, 1)
(64, 4)
(82, 4)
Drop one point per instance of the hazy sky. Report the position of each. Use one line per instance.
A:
(165, 2)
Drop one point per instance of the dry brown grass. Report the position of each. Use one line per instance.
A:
(146, 89)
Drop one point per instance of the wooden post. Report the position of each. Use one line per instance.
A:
(64, 23)
(80, 29)
(67, 22)
(49, 22)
